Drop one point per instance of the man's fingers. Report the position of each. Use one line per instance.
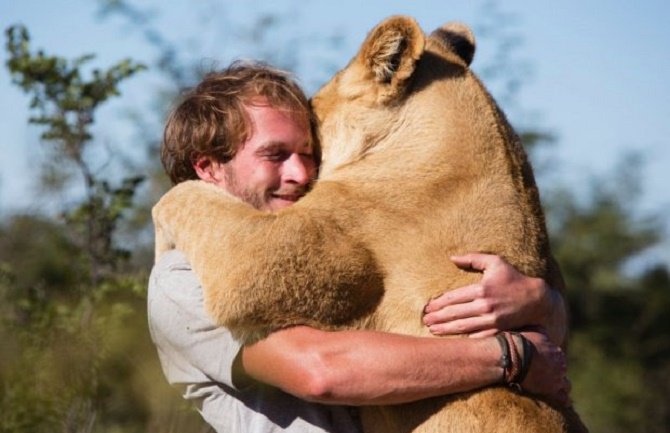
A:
(453, 297)
(479, 262)
(476, 308)
(462, 326)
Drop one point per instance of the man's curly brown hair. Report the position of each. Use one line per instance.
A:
(211, 119)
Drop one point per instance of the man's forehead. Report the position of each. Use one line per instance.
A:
(300, 118)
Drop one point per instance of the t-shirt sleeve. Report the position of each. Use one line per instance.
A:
(202, 357)
(191, 348)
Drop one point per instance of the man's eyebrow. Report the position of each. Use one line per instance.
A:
(271, 146)
(278, 146)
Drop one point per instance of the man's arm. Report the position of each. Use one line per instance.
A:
(368, 367)
(503, 300)
(355, 367)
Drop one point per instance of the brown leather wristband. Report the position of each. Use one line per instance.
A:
(526, 357)
(516, 356)
(505, 357)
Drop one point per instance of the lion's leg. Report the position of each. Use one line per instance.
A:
(262, 271)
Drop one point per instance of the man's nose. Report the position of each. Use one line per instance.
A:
(296, 170)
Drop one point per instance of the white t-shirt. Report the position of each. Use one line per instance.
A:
(201, 358)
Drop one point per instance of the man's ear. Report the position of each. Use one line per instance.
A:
(209, 170)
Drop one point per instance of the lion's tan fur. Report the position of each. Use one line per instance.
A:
(419, 164)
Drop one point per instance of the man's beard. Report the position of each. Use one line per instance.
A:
(258, 200)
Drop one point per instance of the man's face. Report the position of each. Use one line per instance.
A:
(274, 167)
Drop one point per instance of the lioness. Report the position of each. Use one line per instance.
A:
(418, 164)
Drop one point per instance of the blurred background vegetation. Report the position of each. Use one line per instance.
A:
(75, 354)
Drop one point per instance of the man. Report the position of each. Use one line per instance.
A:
(248, 130)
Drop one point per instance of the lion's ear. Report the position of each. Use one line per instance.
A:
(456, 38)
(390, 52)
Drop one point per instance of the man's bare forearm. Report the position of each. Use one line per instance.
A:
(367, 367)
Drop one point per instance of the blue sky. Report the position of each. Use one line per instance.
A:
(599, 77)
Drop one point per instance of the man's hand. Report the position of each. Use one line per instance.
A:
(503, 300)
(547, 374)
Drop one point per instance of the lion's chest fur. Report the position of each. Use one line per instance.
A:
(436, 183)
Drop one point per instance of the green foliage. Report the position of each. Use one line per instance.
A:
(65, 103)
(82, 363)
(76, 355)
(95, 221)
(620, 345)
